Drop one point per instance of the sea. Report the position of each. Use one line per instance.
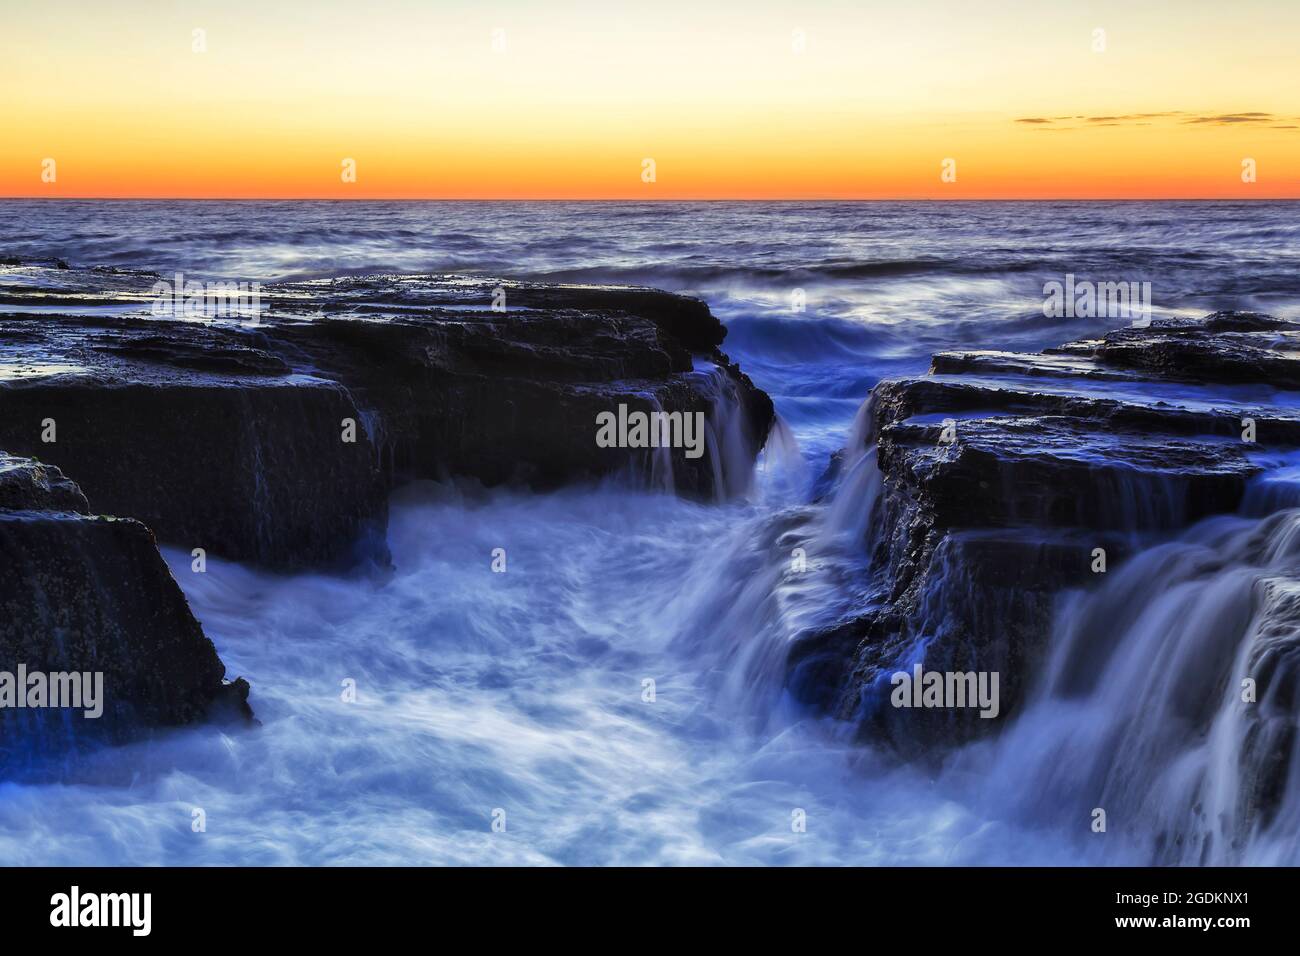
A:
(616, 696)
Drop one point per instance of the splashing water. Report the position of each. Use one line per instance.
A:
(523, 690)
(1142, 711)
(527, 690)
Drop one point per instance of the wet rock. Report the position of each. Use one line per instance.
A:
(91, 594)
(1005, 480)
(1015, 363)
(1053, 471)
(245, 468)
(27, 485)
(230, 436)
(683, 320)
(1135, 409)
(458, 389)
(1229, 347)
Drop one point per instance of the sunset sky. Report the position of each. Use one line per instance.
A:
(722, 95)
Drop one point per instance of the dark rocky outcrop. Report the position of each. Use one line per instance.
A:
(82, 593)
(1001, 474)
(248, 469)
(230, 436)
(457, 389)
(27, 485)
(1228, 347)
(279, 440)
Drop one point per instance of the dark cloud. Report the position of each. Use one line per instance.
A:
(1248, 117)
(1132, 117)
(1229, 119)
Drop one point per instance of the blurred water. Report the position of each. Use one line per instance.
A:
(521, 691)
(525, 690)
(1142, 712)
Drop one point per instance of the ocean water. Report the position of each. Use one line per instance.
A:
(526, 692)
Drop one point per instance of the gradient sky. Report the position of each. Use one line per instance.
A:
(713, 90)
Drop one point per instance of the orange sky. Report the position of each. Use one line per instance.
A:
(731, 100)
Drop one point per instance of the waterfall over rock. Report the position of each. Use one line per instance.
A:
(1169, 700)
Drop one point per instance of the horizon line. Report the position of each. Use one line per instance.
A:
(522, 199)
